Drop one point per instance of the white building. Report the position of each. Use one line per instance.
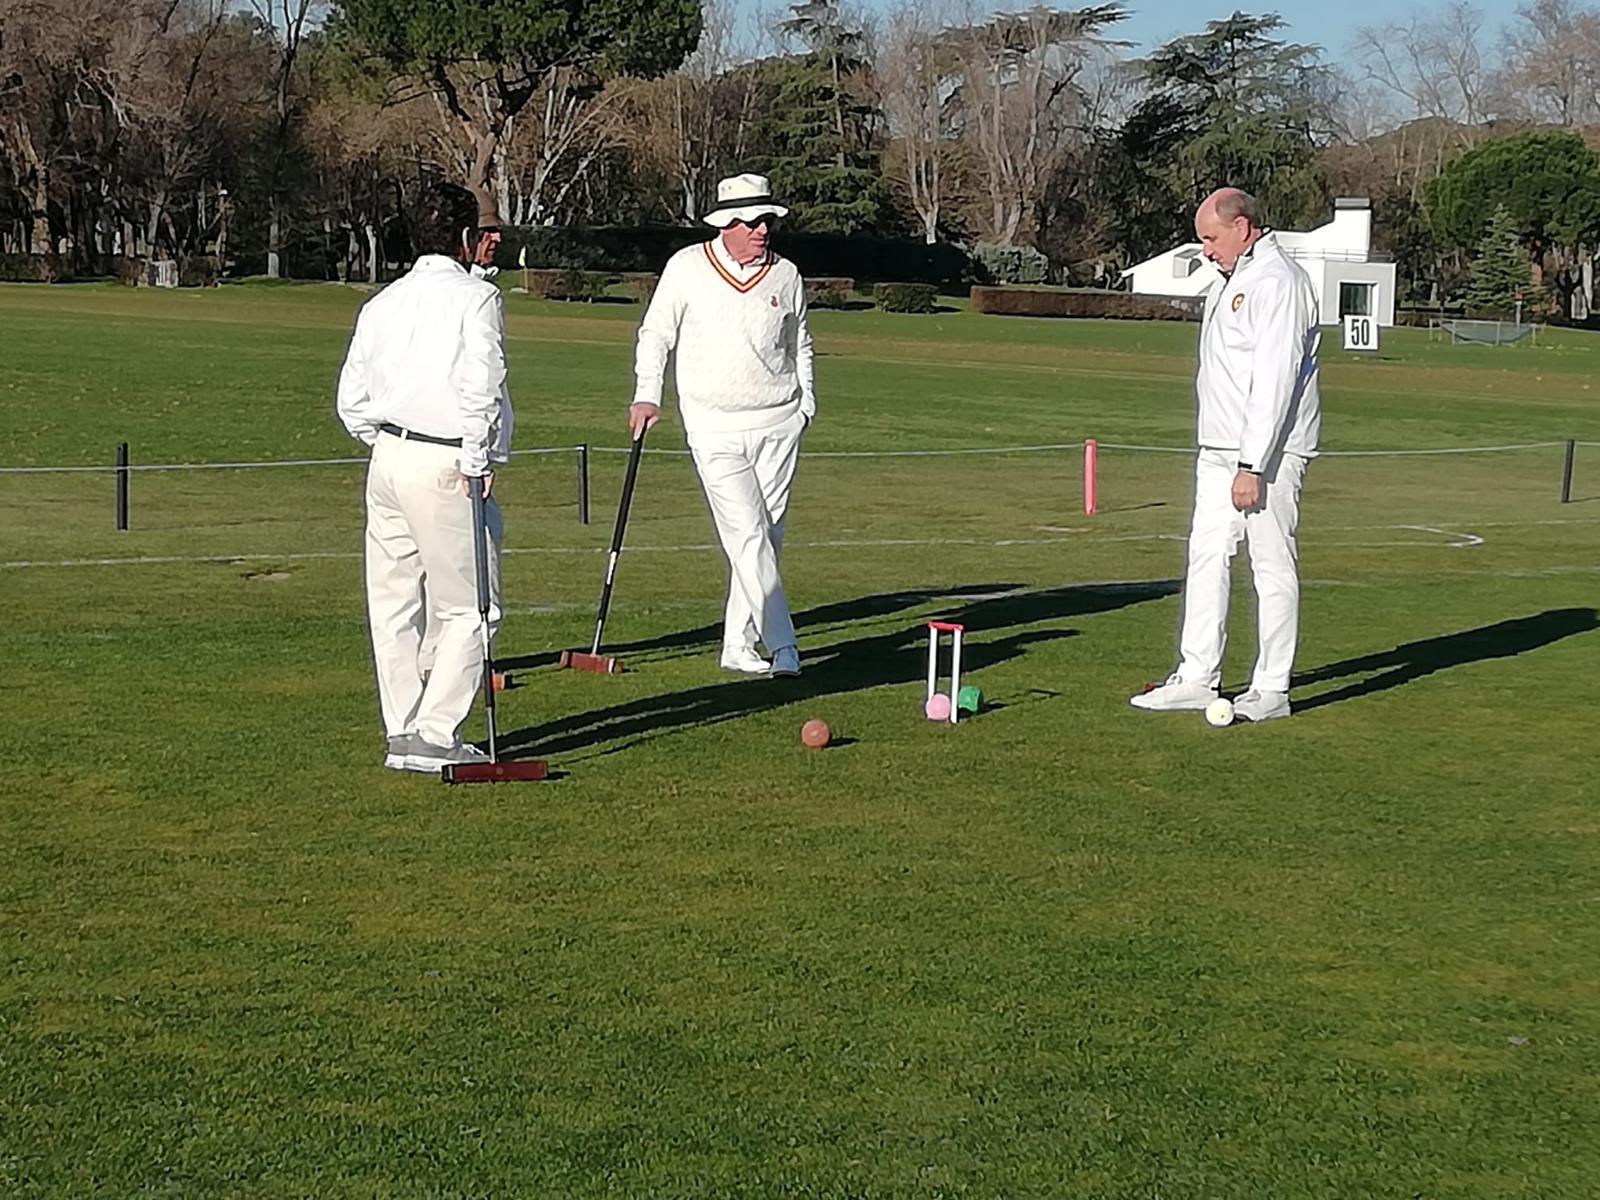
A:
(1337, 256)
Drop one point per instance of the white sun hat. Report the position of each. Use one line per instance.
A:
(743, 198)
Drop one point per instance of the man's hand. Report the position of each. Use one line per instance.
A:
(488, 243)
(1246, 491)
(641, 417)
(467, 482)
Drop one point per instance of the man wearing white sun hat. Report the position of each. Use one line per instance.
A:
(733, 315)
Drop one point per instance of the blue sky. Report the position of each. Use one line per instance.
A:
(1330, 24)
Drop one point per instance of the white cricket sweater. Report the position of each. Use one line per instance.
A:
(739, 337)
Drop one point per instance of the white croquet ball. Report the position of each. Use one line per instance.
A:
(1220, 713)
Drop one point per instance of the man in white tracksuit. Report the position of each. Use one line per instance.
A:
(424, 386)
(734, 315)
(1259, 417)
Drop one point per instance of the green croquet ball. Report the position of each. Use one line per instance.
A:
(969, 699)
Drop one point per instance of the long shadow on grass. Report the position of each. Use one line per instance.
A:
(862, 608)
(856, 664)
(1505, 639)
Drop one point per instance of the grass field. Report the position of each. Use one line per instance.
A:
(1066, 949)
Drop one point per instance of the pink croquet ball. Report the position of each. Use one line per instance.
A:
(938, 709)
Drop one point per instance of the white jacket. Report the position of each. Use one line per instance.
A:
(428, 355)
(739, 339)
(1257, 383)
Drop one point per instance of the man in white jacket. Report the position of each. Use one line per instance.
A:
(1260, 414)
(734, 316)
(424, 386)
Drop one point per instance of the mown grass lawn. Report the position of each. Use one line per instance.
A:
(1066, 949)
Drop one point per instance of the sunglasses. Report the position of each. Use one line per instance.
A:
(763, 222)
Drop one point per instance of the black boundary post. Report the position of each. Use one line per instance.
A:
(122, 485)
(1566, 472)
(583, 484)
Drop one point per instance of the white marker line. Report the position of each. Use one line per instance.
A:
(1465, 541)
(708, 547)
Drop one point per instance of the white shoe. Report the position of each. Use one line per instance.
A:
(786, 661)
(1261, 706)
(1175, 696)
(744, 659)
(427, 759)
(399, 747)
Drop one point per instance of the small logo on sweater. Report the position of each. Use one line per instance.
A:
(1238, 302)
(774, 302)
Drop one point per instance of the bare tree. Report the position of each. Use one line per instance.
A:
(69, 72)
(915, 77)
(172, 92)
(555, 142)
(1020, 100)
(1433, 62)
(1552, 63)
(289, 20)
(684, 125)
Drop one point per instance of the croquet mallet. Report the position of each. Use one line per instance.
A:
(594, 661)
(493, 771)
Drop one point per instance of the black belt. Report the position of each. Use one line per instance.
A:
(411, 435)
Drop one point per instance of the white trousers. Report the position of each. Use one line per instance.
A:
(746, 477)
(422, 586)
(1214, 538)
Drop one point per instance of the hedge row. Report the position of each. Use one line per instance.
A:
(32, 268)
(568, 284)
(632, 249)
(830, 292)
(193, 271)
(1087, 302)
(572, 284)
(906, 297)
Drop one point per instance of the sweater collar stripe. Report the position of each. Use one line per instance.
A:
(738, 285)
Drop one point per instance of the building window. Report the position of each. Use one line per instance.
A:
(1355, 300)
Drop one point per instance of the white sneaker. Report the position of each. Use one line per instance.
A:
(427, 759)
(1261, 706)
(399, 747)
(1175, 696)
(786, 661)
(742, 658)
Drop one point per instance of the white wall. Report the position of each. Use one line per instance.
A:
(1333, 273)
(1168, 274)
(1348, 235)
(1331, 254)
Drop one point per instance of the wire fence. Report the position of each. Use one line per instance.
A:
(939, 452)
(263, 495)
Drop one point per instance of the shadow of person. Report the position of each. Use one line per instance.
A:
(1413, 660)
(897, 656)
(861, 608)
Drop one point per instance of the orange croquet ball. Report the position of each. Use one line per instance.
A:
(815, 733)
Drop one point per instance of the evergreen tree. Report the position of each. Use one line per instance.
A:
(815, 138)
(1236, 106)
(1502, 273)
(1550, 184)
(832, 185)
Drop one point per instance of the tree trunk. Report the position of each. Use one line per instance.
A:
(40, 240)
(274, 241)
(500, 177)
(374, 254)
(152, 230)
(838, 111)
